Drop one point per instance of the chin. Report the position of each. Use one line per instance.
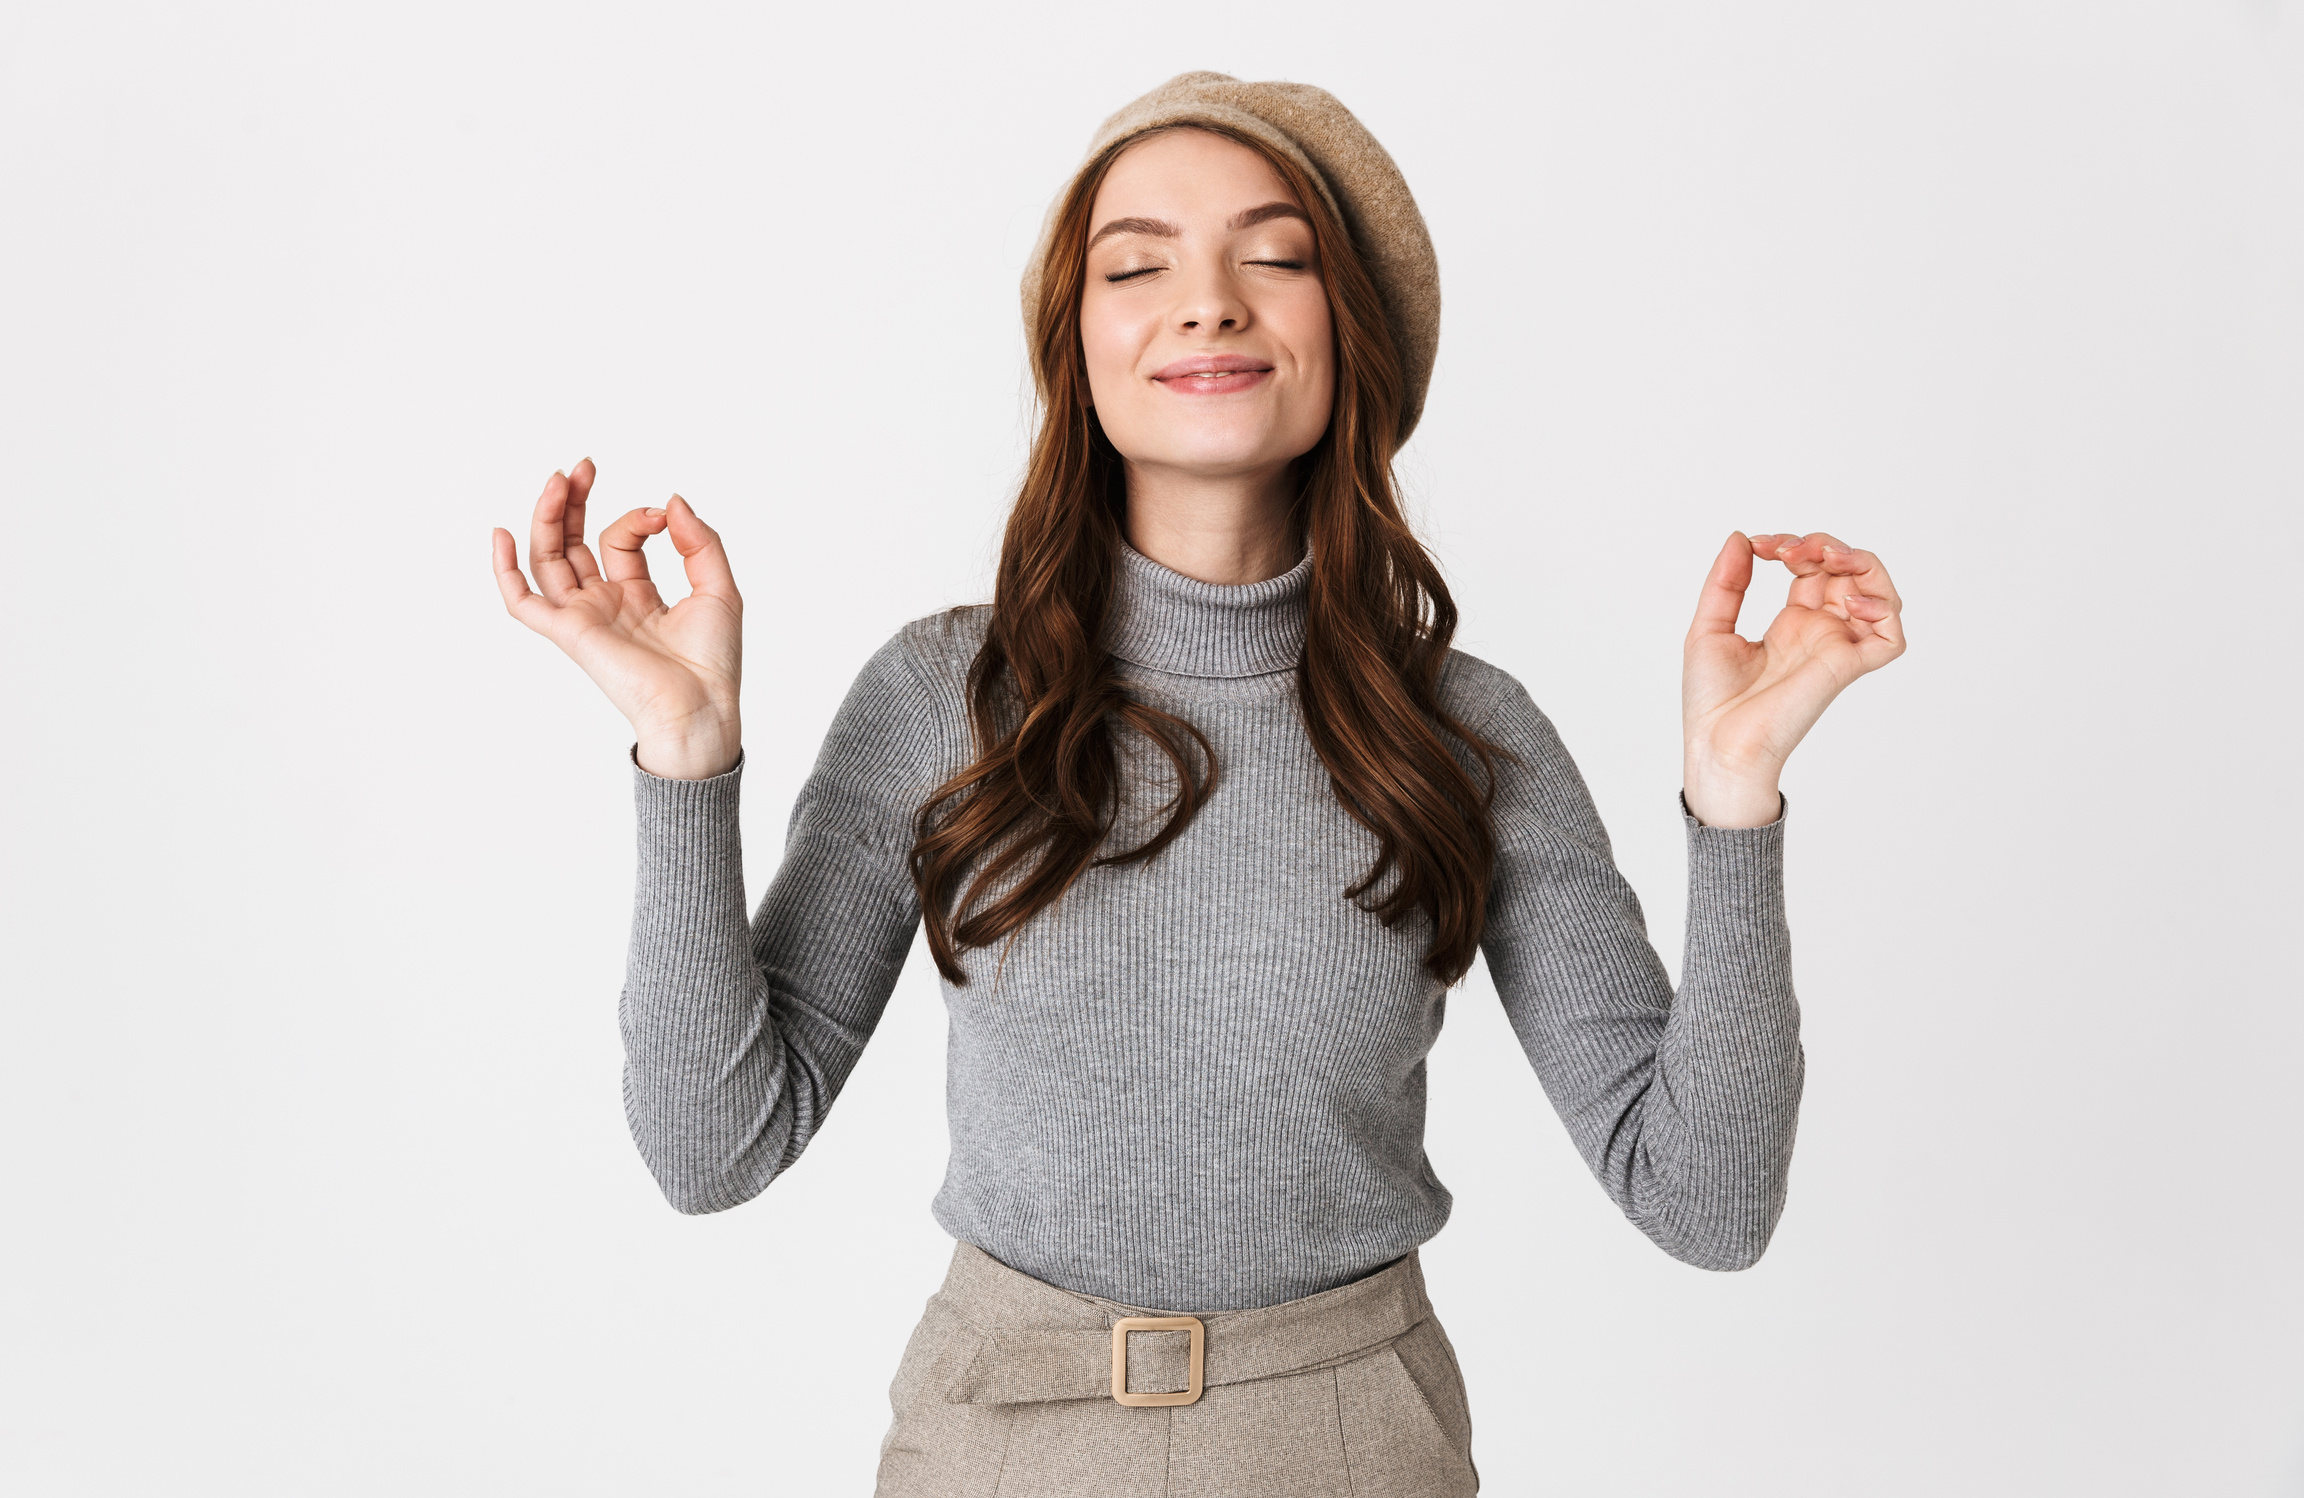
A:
(1217, 450)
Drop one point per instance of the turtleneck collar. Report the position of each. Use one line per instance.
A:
(1169, 622)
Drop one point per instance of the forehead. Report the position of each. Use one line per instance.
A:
(1184, 175)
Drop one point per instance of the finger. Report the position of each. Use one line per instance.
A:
(1768, 545)
(701, 553)
(1827, 569)
(547, 538)
(1723, 596)
(1847, 561)
(1875, 582)
(1805, 554)
(1867, 608)
(572, 526)
(529, 608)
(621, 547)
(1883, 626)
(1846, 569)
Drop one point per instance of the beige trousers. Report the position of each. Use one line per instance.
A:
(1005, 1391)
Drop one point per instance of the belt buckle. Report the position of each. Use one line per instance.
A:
(1127, 1324)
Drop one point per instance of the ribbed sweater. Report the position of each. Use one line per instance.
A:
(1198, 1083)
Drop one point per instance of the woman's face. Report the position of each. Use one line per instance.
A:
(1203, 317)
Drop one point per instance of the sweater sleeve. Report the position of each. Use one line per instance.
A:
(1683, 1105)
(738, 1036)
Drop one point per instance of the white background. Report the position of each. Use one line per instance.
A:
(319, 866)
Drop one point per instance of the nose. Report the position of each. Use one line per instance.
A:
(1211, 301)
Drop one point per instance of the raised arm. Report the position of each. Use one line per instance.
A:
(738, 1036)
(1682, 1105)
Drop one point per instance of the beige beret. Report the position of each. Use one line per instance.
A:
(1312, 129)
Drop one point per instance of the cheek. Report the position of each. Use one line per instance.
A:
(1109, 342)
(1311, 338)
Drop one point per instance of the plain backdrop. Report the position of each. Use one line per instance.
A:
(319, 866)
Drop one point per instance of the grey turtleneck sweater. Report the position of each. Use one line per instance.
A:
(1198, 1083)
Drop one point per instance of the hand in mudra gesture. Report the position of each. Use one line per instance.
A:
(674, 671)
(1746, 703)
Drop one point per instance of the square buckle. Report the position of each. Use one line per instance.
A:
(1127, 1324)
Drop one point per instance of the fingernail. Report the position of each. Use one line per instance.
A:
(655, 512)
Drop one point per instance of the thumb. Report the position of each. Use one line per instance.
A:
(701, 554)
(1723, 596)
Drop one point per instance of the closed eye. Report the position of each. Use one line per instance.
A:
(1283, 264)
(1116, 277)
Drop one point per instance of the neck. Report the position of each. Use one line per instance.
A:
(1228, 529)
(1185, 627)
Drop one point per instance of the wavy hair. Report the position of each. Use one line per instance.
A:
(1004, 838)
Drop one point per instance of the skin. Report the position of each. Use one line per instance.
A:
(1199, 255)
(1746, 704)
(673, 672)
(1200, 252)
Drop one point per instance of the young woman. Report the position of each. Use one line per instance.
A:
(1203, 818)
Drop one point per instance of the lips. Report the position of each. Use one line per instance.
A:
(1213, 374)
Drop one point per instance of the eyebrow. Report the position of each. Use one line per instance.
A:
(1159, 228)
(1250, 218)
(1247, 218)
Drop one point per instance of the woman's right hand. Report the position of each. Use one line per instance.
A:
(673, 672)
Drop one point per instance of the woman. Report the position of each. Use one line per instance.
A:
(1203, 817)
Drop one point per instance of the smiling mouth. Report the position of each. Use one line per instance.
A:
(1217, 375)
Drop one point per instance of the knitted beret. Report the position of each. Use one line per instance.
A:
(1309, 127)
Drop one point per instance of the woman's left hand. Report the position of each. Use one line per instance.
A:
(1745, 704)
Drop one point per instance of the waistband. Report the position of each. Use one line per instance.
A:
(1041, 1342)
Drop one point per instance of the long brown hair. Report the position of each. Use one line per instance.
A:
(1003, 839)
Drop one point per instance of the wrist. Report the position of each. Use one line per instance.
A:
(693, 753)
(1723, 796)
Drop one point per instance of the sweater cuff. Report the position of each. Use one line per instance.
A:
(728, 775)
(691, 869)
(1783, 809)
(1735, 874)
(679, 808)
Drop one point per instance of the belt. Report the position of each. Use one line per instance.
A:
(1039, 1342)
